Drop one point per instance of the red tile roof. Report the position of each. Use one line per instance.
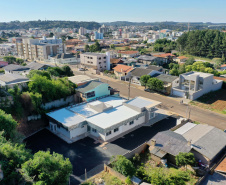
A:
(182, 57)
(224, 65)
(222, 166)
(164, 55)
(123, 68)
(219, 78)
(116, 61)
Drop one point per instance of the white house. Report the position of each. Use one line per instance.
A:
(64, 59)
(16, 69)
(192, 85)
(103, 119)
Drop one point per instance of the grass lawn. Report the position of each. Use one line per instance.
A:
(200, 58)
(214, 101)
(119, 48)
(106, 177)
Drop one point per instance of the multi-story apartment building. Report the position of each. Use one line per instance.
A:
(98, 35)
(39, 49)
(97, 61)
(82, 31)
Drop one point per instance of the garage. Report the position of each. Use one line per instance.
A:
(178, 93)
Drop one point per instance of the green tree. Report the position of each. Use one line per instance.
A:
(155, 84)
(49, 168)
(123, 165)
(86, 48)
(9, 59)
(112, 46)
(19, 61)
(12, 155)
(128, 181)
(8, 125)
(184, 159)
(144, 80)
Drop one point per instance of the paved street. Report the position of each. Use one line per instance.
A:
(168, 103)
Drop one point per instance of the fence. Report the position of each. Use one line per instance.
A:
(138, 150)
(34, 117)
(60, 102)
(108, 169)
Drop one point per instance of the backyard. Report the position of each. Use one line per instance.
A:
(214, 101)
(146, 170)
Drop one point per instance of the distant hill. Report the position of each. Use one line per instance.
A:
(169, 25)
(47, 24)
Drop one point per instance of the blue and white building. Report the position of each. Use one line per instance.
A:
(98, 35)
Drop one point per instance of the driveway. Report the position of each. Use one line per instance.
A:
(85, 154)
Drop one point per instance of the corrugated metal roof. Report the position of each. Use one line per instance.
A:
(197, 132)
(89, 86)
(211, 143)
(185, 128)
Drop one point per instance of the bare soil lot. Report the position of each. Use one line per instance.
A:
(214, 101)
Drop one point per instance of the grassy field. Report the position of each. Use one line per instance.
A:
(119, 48)
(214, 101)
(199, 58)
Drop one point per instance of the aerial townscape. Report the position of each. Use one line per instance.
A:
(96, 95)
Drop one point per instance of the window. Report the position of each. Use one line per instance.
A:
(94, 130)
(104, 61)
(100, 58)
(108, 133)
(131, 122)
(116, 130)
(99, 62)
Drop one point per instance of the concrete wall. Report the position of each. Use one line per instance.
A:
(121, 130)
(78, 131)
(60, 102)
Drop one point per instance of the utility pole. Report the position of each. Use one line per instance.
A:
(85, 175)
(129, 87)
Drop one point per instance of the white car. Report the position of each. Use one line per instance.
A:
(81, 69)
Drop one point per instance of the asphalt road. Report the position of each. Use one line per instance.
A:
(196, 113)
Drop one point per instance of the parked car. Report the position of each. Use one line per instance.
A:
(81, 69)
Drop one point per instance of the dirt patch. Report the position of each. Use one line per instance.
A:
(214, 101)
(27, 128)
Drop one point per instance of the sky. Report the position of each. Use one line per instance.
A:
(114, 10)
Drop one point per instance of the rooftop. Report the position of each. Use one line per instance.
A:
(113, 116)
(93, 54)
(13, 67)
(77, 79)
(128, 52)
(13, 78)
(166, 78)
(194, 73)
(123, 68)
(171, 142)
(142, 102)
(140, 72)
(66, 117)
(222, 166)
(89, 86)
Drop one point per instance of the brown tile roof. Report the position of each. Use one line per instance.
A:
(116, 61)
(182, 57)
(123, 68)
(73, 40)
(219, 78)
(128, 52)
(164, 55)
(222, 166)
